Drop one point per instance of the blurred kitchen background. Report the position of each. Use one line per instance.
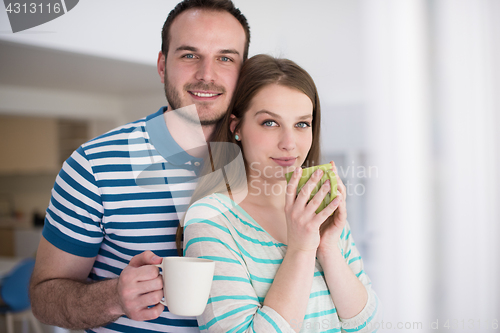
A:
(410, 94)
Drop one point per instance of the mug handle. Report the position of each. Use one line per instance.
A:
(163, 301)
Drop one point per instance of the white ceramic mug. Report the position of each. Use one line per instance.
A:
(186, 284)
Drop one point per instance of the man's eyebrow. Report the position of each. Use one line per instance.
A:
(229, 51)
(307, 116)
(194, 49)
(186, 48)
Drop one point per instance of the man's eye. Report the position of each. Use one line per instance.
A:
(269, 123)
(189, 56)
(303, 124)
(225, 59)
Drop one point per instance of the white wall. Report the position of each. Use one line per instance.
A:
(432, 108)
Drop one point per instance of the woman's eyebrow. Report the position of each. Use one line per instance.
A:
(268, 112)
(307, 116)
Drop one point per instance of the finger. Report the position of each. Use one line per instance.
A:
(329, 209)
(340, 186)
(146, 273)
(291, 188)
(149, 286)
(132, 275)
(147, 313)
(151, 298)
(341, 211)
(145, 258)
(305, 192)
(318, 198)
(326, 224)
(334, 167)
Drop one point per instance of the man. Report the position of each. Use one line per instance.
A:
(121, 194)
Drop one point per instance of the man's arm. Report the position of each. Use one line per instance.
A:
(61, 295)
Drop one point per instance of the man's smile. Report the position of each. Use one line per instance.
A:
(204, 94)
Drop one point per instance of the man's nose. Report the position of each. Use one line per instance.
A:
(206, 71)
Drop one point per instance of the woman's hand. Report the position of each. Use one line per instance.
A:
(303, 224)
(331, 230)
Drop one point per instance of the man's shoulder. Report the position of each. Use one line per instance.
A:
(132, 133)
(119, 133)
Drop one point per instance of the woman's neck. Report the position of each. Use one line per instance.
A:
(266, 192)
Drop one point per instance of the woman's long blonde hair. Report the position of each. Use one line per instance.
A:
(257, 72)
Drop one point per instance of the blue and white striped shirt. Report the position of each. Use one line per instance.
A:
(121, 194)
(247, 259)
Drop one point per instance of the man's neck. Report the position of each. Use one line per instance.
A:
(191, 137)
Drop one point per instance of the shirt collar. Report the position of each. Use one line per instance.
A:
(165, 144)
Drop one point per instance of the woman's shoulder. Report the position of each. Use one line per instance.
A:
(212, 201)
(211, 207)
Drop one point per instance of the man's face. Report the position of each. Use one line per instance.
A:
(204, 58)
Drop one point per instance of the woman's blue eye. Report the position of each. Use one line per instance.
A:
(303, 125)
(269, 123)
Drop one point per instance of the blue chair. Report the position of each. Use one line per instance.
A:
(14, 293)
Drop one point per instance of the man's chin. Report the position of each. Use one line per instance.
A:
(205, 120)
(209, 122)
(209, 116)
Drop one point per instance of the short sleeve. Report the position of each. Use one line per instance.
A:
(73, 219)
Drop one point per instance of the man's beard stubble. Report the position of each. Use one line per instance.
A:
(174, 99)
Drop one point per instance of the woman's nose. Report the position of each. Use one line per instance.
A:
(287, 141)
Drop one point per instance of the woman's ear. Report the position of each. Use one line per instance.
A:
(233, 123)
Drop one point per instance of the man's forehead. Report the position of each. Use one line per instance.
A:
(202, 21)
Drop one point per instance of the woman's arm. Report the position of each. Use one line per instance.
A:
(357, 305)
(290, 291)
(349, 286)
(348, 293)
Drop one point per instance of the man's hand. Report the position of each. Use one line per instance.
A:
(140, 286)
(61, 294)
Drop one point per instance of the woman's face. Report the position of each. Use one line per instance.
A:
(276, 132)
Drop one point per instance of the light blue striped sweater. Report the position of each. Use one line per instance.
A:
(247, 259)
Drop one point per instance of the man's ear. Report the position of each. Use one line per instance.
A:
(160, 66)
(234, 122)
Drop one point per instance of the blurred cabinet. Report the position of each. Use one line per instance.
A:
(7, 247)
(38, 145)
(19, 242)
(28, 144)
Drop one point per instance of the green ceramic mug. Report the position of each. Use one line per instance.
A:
(327, 174)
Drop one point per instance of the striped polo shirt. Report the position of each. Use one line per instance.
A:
(118, 195)
(247, 259)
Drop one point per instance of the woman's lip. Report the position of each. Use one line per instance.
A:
(289, 161)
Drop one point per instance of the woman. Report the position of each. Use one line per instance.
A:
(279, 265)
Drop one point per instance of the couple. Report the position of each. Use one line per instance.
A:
(111, 217)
